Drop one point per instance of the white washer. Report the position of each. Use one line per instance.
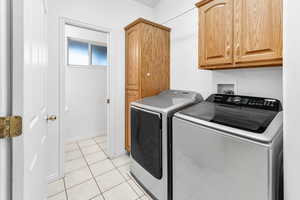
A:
(228, 147)
(151, 126)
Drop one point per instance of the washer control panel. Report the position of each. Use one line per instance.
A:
(247, 101)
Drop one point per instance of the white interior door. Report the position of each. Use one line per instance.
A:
(29, 60)
(59, 103)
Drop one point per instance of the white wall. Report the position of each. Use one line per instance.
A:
(263, 82)
(184, 71)
(291, 74)
(113, 15)
(85, 92)
(182, 18)
(74, 32)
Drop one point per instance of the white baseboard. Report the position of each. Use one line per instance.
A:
(87, 136)
(53, 177)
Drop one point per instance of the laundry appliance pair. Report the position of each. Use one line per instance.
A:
(226, 147)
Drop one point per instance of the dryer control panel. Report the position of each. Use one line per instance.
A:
(247, 101)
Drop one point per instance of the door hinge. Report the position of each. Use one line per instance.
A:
(10, 126)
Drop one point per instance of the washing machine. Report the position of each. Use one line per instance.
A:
(151, 127)
(228, 147)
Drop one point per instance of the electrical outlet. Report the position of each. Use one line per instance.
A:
(226, 88)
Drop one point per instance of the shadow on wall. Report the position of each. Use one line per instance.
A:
(264, 82)
(185, 73)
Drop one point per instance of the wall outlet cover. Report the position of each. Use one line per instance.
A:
(226, 88)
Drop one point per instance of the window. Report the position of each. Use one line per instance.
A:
(99, 55)
(78, 53)
(86, 53)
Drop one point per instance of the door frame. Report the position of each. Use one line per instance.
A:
(17, 94)
(63, 21)
(5, 97)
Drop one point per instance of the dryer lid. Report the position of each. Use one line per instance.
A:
(168, 100)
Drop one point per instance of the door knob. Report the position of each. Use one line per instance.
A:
(51, 118)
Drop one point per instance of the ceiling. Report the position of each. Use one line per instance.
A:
(150, 3)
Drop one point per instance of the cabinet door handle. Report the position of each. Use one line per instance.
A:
(148, 74)
(228, 50)
(238, 49)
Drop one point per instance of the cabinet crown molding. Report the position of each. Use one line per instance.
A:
(202, 3)
(144, 21)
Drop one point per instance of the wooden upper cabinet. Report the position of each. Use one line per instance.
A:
(258, 31)
(216, 33)
(240, 33)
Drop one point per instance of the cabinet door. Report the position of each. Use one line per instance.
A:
(216, 33)
(258, 31)
(155, 59)
(132, 59)
(131, 95)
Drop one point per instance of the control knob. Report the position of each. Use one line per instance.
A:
(237, 100)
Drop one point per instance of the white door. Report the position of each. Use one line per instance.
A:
(59, 103)
(29, 60)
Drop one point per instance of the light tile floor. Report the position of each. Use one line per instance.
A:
(91, 175)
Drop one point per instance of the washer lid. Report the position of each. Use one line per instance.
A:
(239, 116)
(168, 100)
(244, 118)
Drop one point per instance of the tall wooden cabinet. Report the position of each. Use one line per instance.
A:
(240, 33)
(147, 64)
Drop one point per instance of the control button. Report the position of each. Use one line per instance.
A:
(237, 99)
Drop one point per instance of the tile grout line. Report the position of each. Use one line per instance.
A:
(112, 169)
(126, 181)
(96, 182)
(94, 177)
(144, 193)
(135, 191)
(75, 169)
(77, 184)
(82, 157)
(72, 150)
(97, 161)
(73, 159)
(66, 194)
(57, 193)
(86, 154)
(101, 193)
(117, 168)
(88, 179)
